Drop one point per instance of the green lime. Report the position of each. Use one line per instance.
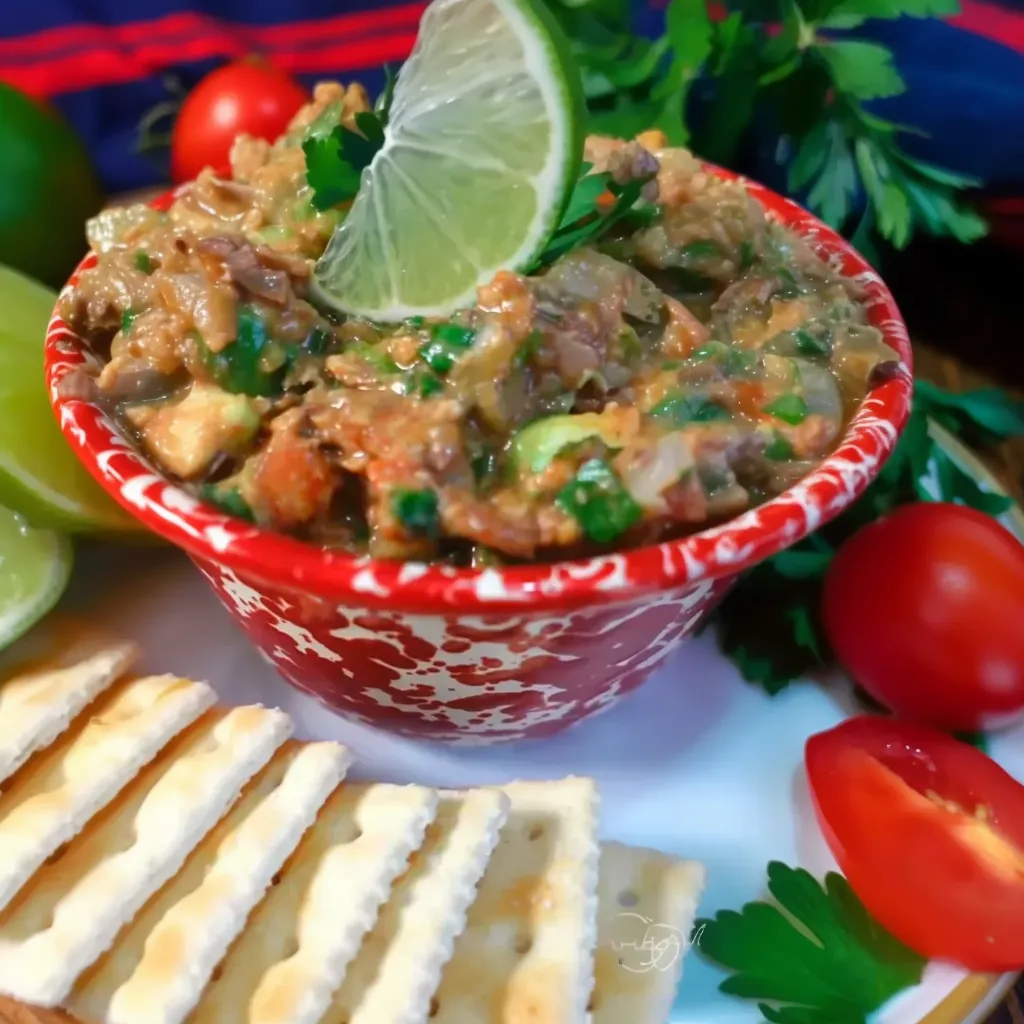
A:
(36, 566)
(48, 189)
(40, 477)
(482, 150)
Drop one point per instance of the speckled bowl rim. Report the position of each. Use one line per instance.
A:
(724, 550)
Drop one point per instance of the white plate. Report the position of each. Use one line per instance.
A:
(697, 763)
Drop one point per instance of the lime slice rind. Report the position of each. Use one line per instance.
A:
(482, 150)
(35, 568)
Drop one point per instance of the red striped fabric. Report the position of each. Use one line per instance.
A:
(999, 24)
(77, 57)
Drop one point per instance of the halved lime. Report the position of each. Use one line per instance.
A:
(35, 566)
(481, 152)
(39, 474)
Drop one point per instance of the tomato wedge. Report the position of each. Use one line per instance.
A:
(930, 834)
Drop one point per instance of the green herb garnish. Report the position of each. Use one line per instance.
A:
(789, 408)
(683, 409)
(127, 319)
(840, 964)
(598, 501)
(416, 511)
(335, 160)
(778, 449)
(769, 623)
(808, 344)
(142, 261)
(253, 364)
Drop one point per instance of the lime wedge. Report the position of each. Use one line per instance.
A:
(35, 566)
(481, 152)
(40, 477)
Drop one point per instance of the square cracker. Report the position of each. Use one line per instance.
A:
(293, 953)
(398, 967)
(38, 704)
(72, 910)
(53, 798)
(163, 960)
(527, 953)
(647, 905)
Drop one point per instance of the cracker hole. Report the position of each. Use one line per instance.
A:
(535, 833)
(218, 973)
(276, 880)
(592, 1004)
(435, 1008)
(628, 898)
(620, 961)
(524, 944)
(291, 949)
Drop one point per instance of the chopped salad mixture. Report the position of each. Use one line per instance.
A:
(693, 360)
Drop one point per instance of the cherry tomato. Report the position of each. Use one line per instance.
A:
(925, 608)
(929, 832)
(246, 97)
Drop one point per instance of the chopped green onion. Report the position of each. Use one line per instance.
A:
(682, 409)
(415, 322)
(529, 347)
(429, 385)
(747, 254)
(416, 511)
(454, 335)
(734, 360)
(598, 501)
(484, 464)
(127, 319)
(789, 408)
(778, 449)
(142, 261)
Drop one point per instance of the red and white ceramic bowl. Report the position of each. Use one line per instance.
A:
(480, 657)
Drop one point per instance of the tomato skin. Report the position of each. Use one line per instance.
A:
(943, 872)
(925, 609)
(246, 97)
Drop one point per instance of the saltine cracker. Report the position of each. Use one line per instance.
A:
(72, 910)
(162, 961)
(527, 952)
(292, 956)
(398, 967)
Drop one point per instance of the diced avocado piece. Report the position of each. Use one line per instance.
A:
(187, 435)
(536, 445)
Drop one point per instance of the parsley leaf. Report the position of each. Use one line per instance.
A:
(335, 161)
(864, 70)
(818, 954)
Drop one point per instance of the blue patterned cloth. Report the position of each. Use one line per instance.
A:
(105, 63)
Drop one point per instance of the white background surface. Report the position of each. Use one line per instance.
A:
(696, 763)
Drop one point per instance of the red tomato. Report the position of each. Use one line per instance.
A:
(247, 97)
(929, 832)
(925, 608)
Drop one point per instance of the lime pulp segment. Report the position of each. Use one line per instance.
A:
(482, 149)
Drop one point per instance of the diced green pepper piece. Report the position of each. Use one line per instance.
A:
(127, 319)
(142, 261)
(789, 408)
(227, 498)
(598, 501)
(484, 464)
(248, 365)
(415, 322)
(698, 252)
(778, 449)
(416, 511)
(808, 344)
(682, 409)
(446, 342)
(747, 254)
(536, 445)
(732, 359)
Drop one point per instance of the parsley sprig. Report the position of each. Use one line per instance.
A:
(769, 624)
(789, 65)
(814, 956)
(585, 219)
(335, 160)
